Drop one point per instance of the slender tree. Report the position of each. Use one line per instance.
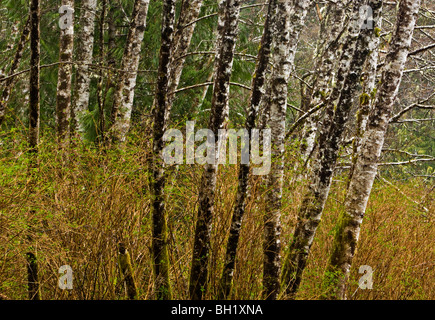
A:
(368, 95)
(289, 20)
(84, 49)
(157, 179)
(124, 93)
(258, 82)
(326, 56)
(229, 11)
(349, 225)
(34, 108)
(100, 91)
(189, 13)
(63, 98)
(8, 85)
(355, 52)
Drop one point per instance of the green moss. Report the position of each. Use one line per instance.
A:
(378, 32)
(364, 99)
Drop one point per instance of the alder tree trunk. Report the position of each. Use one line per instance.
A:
(63, 98)
(100, 91)
(84, 50)
(259, 79)
(157, 178)
(368, 95)
(189, 13)
(229, 11)
(127, 271)
(349, 225)
(8, 85)
(355, 52)
(34, 120)
(126, 83)
(289, 22)
(326, 56)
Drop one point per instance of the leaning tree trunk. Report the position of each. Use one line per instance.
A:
(367, 97)
(243, 178)
(355, 52)
(157, 179)
(189, 13)
(85, 45)
(289, 21)
(229, 11)
(349, 225)
(34, 106)
(327, 53)
(124, 93)
(8, 85)
(63, 101)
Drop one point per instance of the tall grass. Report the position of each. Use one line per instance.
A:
(88, 200)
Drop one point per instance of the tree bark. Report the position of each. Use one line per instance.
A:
(326, 56)
(349, 225)
(34, 98)
(157, 178)
(190, 10)
(127, 271)
(289, 22)
(124, 93)
(355, 52)
(229, 11)
(63, 101)
(84, 50)
(16, 62)
(259, 79)
(100, 91)
(34, 106)
(367, 97)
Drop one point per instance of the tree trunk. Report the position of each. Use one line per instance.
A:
(355, 52)
(34, 106)
(289, 21)
(127, 271)
(4, 98)
(157, 179)
(100, 91)
(85, 45)
(349, 225)
(190, 10)
(229, 11)
(63, 101)
(124, 93)
(367, 97)
(258, 82)
(327, 53)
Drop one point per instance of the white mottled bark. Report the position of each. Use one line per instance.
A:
(63, 101)
(8, 85)
(124, 93)
(229, 11)
(355, 51)
(84, 49)
(360, 187)
(327, 53)
(289, 20)
(183, 35)
(368, 94)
